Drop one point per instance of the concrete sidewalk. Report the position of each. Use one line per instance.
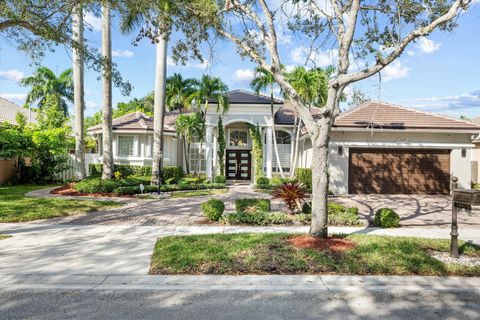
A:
(118, 250)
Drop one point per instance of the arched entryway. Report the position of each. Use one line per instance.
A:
(238, 151)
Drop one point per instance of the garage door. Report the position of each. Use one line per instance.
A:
(387, 171)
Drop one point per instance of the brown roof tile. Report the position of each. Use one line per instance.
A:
(138, 121)
(9, 110)
(383, 115)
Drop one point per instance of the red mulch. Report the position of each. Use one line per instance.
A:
(332, 244)
(68, 190)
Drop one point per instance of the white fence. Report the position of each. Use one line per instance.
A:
(69, 174)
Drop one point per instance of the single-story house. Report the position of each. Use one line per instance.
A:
(375, 148)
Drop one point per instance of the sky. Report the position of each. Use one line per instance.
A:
(439, 74)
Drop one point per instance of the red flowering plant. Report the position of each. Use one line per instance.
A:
(293, 194)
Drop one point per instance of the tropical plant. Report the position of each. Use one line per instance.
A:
(211, 89)
(257, 151)
(50, 116)
(44, 83)
(293, 194)
(179, 92)
(107, 92)
(310, 84)
(188, 126)
(221, 146)
(78, 91)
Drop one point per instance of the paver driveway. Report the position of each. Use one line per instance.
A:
(414, 210)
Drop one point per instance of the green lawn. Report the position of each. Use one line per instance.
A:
(273, 254)
(197, 193)
(15, 207)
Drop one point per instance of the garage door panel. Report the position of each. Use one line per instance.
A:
(399, 171)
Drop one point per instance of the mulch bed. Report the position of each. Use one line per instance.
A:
(332, 244)
(68, 190)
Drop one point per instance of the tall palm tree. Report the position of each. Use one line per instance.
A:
(107, 171)
(180, 92)
(78, 91)
(44, 83)
(210, 88)
(188, 126)
(262, 81)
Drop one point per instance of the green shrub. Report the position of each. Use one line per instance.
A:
(243, 205)
(263, 181)
(213, 209)
(171, 181)
(304, 176)
(220, 179)
(259, 218)
(337, 214)
(172, 172)
(129, 170)
(387, 218)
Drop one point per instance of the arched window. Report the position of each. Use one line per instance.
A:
(238, 138)
(283, 137)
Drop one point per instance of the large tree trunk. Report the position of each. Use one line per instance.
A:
(159, 111)
(78, 91)
(275, 147)
(107, 171)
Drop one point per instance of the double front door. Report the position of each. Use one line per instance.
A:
(238, 164)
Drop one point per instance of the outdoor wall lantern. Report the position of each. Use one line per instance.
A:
(461, 199)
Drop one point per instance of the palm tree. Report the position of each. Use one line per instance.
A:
(78, 91)
(263, 80)
(188, 126)
(45, 83)
(107, 171)
(180, 92)
(210, 88)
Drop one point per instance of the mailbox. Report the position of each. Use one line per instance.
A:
(462, 197)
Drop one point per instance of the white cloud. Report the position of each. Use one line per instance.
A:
(427, 46)
(243, 75)
(15, 97)
(91, 105)
(92, 21)
(12, 75)
(395, 70)
(122, 53)
(197, 65)
(301, 55)
(410, 53)
(464, 101)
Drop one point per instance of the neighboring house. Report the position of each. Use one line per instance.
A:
(8, 113)
(374, 148)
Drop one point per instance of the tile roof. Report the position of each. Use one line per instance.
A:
(138, 121)
(246, 97)
(381, 115)
(8, 112)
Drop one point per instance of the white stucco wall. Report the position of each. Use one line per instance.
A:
(460, 167)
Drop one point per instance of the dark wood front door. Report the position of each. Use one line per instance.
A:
(406, 171)
(238, 164)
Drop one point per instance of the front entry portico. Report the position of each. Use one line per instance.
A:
(238, 164)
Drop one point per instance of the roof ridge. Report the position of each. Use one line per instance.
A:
(255, 94)
(355, 108)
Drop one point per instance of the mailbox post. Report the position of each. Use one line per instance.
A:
(461, 199)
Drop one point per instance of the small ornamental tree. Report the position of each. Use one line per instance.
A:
(375, 33)
(221, 146)
(257, 151)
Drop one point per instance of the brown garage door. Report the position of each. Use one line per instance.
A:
(389, 171)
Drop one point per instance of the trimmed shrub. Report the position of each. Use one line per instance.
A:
(263, 181)
(172, 172)
(213, 209)
(97, 185)
(248, 204)
(260, 218)
(337, 214)
(129, 170)
(220, 179)
(304, 176)
(387, 218)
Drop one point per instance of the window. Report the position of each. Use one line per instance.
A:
(197, 157)
(125, 146)
(284, 147)
(283, 137)
(238, 138)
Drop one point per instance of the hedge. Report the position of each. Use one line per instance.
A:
(243, 205)
(97, 185)
(337, 214)
(213, 209)
(131, 190)
(169, 172)
(257, 218)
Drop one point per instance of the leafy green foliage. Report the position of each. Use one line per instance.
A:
(169, 172)
(221, 146)
(252, 204)
(338, 215)
(213, 209)
(387, 218)
(310, 84)
(293, 194)
(257, 151)
(220, 179)
(262, 181)
(272, 253)
(179, 92)
(304, 176)
(97, 185)
(131, 190)
(259, 218)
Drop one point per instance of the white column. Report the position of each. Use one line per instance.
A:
(209, 151)
(268, 153)
(214, 153)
